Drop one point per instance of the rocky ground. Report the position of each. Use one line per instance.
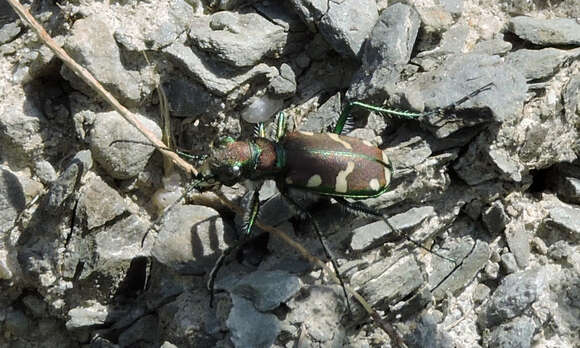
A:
(493, 184)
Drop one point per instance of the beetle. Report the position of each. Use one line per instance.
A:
(327, 164)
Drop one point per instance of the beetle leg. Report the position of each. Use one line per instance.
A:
(302, 210)
(252, 208)
(403, 114)
(361, 209)
(260, 130)
(280, 126)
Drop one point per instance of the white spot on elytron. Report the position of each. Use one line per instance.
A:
(387, 170)
(374, 185)
(306, 133)
(336, 138)
(341, 182)
(289, 180)
(314, 181)
(367, 143)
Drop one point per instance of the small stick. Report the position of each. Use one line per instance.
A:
(86, 76)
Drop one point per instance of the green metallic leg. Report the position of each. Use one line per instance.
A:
(252, 207)
(280, 126)
(361, 209)
(260, 130)
(402, 114)
(327, 252)
(348, 108)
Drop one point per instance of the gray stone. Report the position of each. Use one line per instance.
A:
(403, 274)
(475, 259)
(239, 39)
(474, 166)
(369, 236)
(100, 203)
(491, 270)
(17, 323)
(547, 32)
(566, 218)
(45, 171)
(187, 322)
(140, 30)
(411, 218)
(35, 305)
(453, 6)
(426, 334)
(23, 128)
(480, 294)
(493, 47)
(121, 160)
(387, 50)
(374, 234)
(463, 73)
(187, 98)
(495, 218)
(267, 289)
(319, 314)
(508, 263)
(507, 166)
(560, 251)
(229, 4)
(284, 85)
(434, 19)
(518, 240)
(323, 117)
(569, 189)
(92, 45)
(514, 296)
(120, 243)
(191, 238)
(250, 328)
(517, 333)
(538, 64)
(571, 97)
(84, 317)
(9, 31)
(454, 39)
(143, 333)
(69, 180)
(12, 198)
(345, 25)
(217, 78)
(261, 109)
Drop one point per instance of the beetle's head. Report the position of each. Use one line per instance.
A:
(227, 164)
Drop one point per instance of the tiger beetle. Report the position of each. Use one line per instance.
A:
(328, 164)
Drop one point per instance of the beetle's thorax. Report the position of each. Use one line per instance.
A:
(252, 159)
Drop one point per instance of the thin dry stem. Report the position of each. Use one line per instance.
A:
(96, 86)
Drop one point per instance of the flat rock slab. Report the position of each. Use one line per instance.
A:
(547, 32)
